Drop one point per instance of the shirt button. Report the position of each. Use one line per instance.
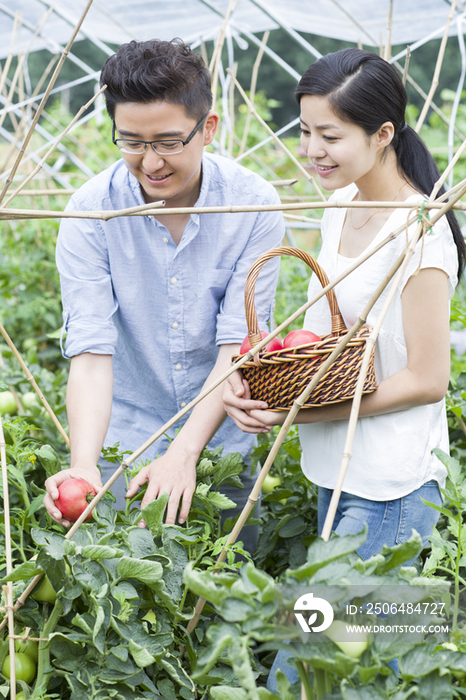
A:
(174, 280)
(175, 325)
(165, 240)
(178, 366)
(183, 404)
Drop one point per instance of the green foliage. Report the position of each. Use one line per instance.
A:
(118, 627)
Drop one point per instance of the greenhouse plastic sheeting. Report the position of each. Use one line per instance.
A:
(119, 21)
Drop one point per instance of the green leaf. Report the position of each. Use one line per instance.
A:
(321, 553)
(220, 500)
(222, 692)
(401, 553)
(364, 693)
(23, 571)
(202, 583)
(141, 569)
(97, 551)
(295, 526)
(228, 466)
(220, 636)
(140, 654)
(153, 513)
(48, 459)
(454, 468)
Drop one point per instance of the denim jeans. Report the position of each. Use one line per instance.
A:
(249, 534)
(389, 522)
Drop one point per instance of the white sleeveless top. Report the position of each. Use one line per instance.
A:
(392, 453)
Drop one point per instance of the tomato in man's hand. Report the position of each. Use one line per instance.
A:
(74, 495)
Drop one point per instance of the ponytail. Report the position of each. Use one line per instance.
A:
(417, 165)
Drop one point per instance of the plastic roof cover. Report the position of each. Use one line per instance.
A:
(119, 21)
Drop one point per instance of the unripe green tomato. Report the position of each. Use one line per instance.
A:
(45, 593)
(28, 647)
(353, 646)
(20, 696)
(270, 483)
(25, 668)
(29, 399)
(7, 403)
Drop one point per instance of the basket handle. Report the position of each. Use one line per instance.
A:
(338, 324)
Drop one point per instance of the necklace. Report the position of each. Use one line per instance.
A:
(357, 228)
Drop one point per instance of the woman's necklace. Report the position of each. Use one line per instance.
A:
(357, 228)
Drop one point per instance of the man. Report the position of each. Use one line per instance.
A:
(153, 305)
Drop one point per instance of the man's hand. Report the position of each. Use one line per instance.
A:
(175, 474)
(90, 474)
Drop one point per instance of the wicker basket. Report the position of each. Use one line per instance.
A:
(280, 377)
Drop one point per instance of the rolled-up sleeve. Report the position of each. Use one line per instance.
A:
(267, 232)
(86, 286)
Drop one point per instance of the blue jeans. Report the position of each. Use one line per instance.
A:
(389, 522)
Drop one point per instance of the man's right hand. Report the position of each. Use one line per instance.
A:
(90, 474)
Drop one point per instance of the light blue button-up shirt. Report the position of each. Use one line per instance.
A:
(160, 309)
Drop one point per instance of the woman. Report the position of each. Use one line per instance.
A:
(353, 129)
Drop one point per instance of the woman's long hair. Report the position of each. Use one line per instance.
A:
(365, 90)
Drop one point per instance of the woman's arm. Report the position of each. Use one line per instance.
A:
(424, 380)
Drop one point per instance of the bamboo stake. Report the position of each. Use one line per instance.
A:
(53, 147)
(388, 44)
(252, 110)
(34, 122)
(34, 384)
(438, 66)
(217, 55)
(154, 210)
(8, 589)
(405, 71)
(231, 99)
(252, 89)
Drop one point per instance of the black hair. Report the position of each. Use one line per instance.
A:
(366, 90)
(146, 71)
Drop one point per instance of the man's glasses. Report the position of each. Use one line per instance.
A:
(163, 148)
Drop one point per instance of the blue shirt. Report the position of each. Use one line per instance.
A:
(160, 309)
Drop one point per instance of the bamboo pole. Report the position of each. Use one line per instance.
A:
(438, 66)
(53, 147)
(217, 55)
(405, 70)
(8, 589)
(252, 110)
(388, 43)
(252, 90)
(231, 100)
(34, 385)
(34, 122)
(158, 209)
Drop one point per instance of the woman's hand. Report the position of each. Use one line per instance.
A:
(249, 415)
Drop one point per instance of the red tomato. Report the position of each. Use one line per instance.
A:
(295, 338)
(74, 496)
(274, 345)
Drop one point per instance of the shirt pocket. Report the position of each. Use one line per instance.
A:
(211, 287)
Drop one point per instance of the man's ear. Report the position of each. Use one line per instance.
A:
(210, 128)
(385, 134)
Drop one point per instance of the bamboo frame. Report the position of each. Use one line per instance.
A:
(52, 80)
(8, 589)
(252, 90)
